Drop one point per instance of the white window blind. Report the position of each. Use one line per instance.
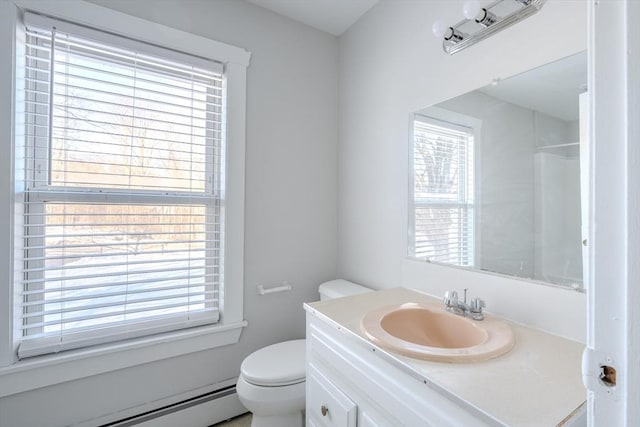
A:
(443, 209)
(123, 189)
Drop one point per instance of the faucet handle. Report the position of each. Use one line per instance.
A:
(476, 308)
(450, 298)
(477, 305)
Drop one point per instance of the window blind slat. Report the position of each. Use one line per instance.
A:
(213, 133)
(152, 95)
(96, 316)
(74, 68)
(106, 147)
(50, 290)
(117, 302)
(194, 127)
(190, 264)
(111, 294)
(111, 264)
(211, 107)
(212, 117)
(63, 258)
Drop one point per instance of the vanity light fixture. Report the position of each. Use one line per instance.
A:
(482, 22)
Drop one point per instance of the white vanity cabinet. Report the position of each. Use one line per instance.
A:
(353, 382)
(349, 384)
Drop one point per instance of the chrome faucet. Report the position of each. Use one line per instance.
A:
(461, 308)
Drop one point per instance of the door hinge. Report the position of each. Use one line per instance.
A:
(599, 373)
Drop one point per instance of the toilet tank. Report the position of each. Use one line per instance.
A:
(340, 288)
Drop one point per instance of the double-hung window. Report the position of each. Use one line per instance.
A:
(441, 222)
(121, 189)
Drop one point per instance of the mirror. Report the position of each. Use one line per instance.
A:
(496, 176)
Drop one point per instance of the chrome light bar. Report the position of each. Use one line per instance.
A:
(483, 22)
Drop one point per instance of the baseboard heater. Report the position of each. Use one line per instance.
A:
(151, 417)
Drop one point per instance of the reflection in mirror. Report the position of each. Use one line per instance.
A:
(496, 176)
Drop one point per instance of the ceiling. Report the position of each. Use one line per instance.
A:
(331, 16)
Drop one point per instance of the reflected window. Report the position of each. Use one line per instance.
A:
(441, 218)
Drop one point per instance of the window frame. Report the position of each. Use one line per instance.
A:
(439, 114)
(42, 191)
(19, 376)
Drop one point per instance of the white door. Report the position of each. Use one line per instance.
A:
(613, 331)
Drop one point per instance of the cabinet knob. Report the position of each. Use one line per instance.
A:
(324, 410)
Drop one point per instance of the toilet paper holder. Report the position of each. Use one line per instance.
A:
(286, 286)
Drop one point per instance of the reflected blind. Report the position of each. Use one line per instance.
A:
(443, 210)
(123, 170)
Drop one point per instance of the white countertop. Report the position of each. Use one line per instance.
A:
(538, 383)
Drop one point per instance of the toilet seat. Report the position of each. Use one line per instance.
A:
(277, 365)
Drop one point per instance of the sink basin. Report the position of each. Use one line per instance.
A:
(430, 333)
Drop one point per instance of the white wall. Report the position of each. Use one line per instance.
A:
(290, 228)
(390, 66)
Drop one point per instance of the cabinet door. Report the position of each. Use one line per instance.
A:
(327, 406)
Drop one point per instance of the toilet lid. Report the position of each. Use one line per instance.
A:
(276, 365)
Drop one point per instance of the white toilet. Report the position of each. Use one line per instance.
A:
(272, 379)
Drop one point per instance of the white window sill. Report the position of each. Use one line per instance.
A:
(48, 370)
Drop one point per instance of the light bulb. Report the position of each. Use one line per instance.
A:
(471, 9)
(439, 29)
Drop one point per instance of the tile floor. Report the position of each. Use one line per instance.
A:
(239, 421)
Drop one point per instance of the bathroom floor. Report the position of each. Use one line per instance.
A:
(239, 421)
